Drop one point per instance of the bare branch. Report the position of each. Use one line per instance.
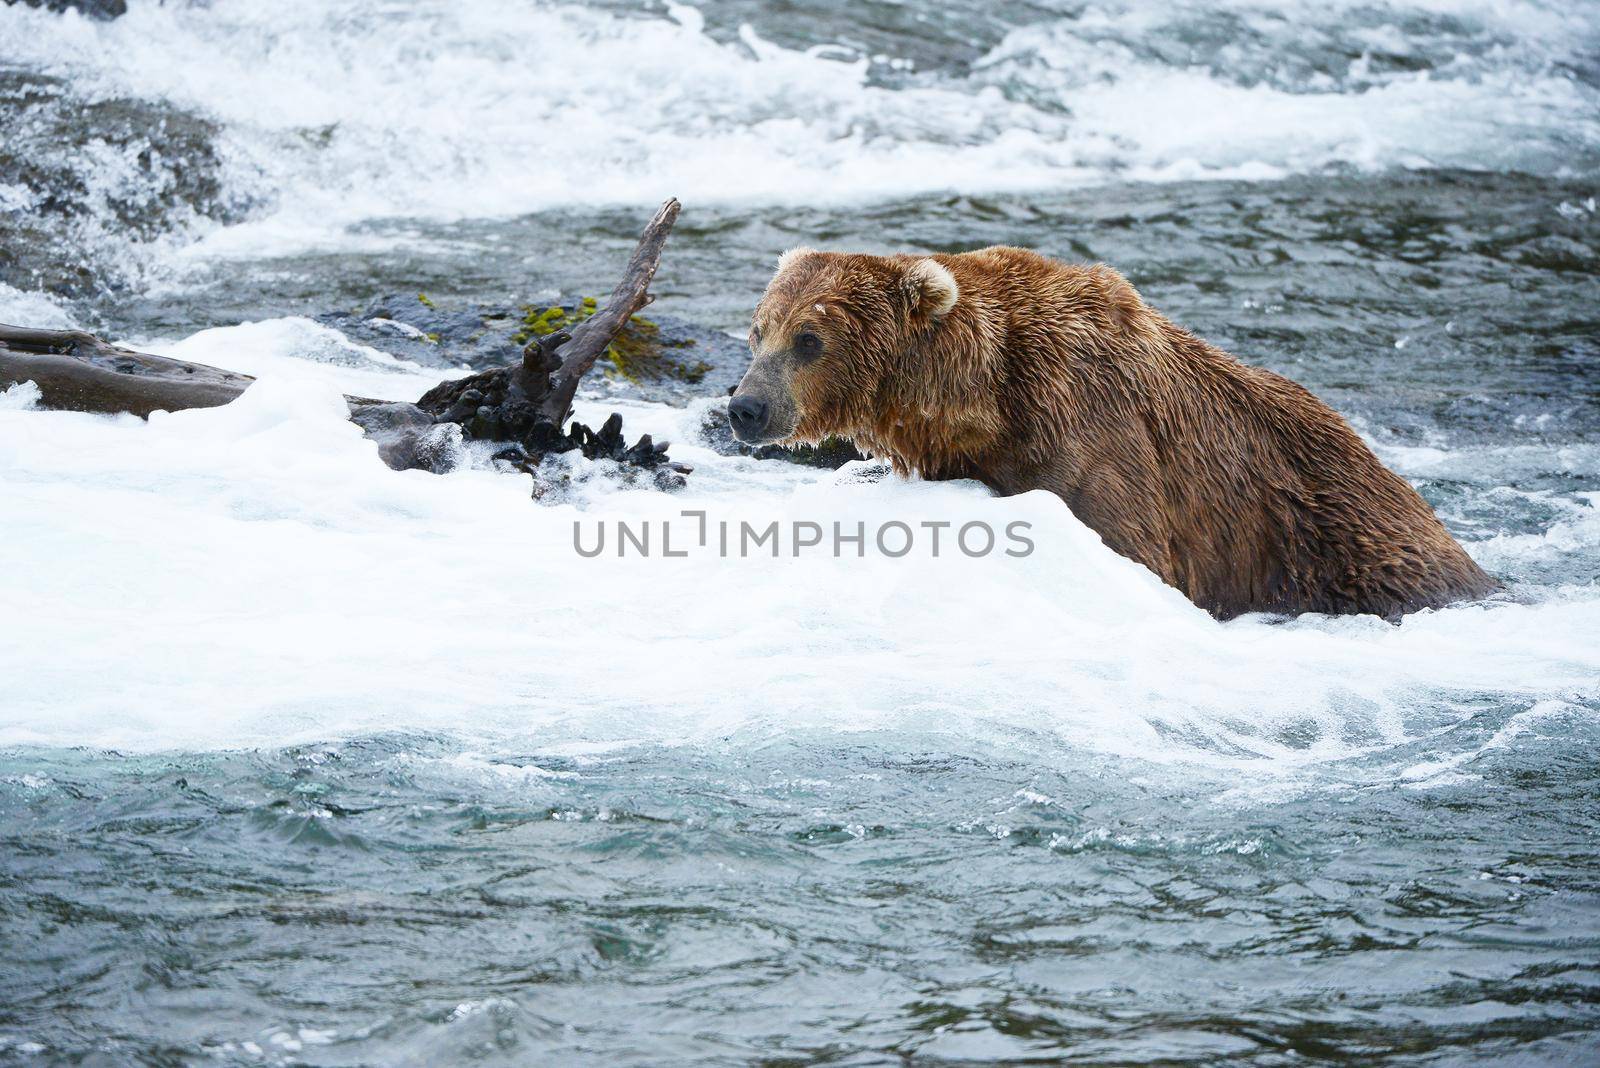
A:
(591, 337)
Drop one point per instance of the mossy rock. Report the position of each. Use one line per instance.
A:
(639, 353)
(662, 358)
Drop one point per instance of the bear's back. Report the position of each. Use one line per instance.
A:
(1233, 483)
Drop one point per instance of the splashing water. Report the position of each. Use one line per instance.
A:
(326, 118)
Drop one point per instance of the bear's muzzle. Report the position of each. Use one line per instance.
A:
(749, 417)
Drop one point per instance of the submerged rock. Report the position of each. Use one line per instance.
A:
(103, 10)
(411, 327)
(717, 435)
(657, 358)
(77, 174)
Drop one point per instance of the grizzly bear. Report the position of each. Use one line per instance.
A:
(1231, 483)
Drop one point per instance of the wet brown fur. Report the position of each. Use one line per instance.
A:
(1232, 483)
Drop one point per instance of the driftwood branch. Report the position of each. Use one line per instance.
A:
(525, 404)
(591, 337)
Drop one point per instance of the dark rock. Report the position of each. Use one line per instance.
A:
(411, 327)
(691, 362)
(171, 172)
(104, 10)
(717, 435)
(657, 358)
(408, 438)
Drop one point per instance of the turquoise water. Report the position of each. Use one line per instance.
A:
(388, 900)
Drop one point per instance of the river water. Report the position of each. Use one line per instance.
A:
(303, 761)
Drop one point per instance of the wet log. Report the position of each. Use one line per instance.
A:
(76, 371)
(524, 405)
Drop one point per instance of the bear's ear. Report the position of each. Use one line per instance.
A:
(788, 259)
(932, 287)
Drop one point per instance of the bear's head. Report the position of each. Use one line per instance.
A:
(835, 343)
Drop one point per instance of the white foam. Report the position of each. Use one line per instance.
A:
(252, 575)
(1577, 532)
(19, 396)
(318, 355)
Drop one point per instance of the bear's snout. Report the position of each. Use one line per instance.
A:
(749, 416)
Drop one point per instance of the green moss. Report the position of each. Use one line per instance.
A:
(432, 337)
(422, 298)
(694, 372)
(541, 323)
(636, 353)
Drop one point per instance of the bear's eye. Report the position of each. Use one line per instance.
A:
(755, 336)
(807, 345)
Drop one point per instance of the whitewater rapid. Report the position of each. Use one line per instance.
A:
(328, 119)
(252, 575)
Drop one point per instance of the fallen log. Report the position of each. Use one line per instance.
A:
(524, 405)
(76, 371)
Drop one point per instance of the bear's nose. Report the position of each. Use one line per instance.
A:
(748, 416)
